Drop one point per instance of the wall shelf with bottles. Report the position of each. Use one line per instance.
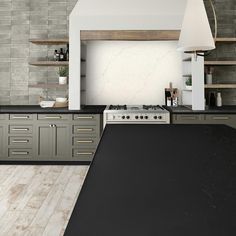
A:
(225, 40)
(220, 63)
(48, 85)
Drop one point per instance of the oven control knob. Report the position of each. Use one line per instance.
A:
(155, 117)
(136, 117)
(159, 117)
(141, 117)
(146, 117)
(123, 117)
(127, 117)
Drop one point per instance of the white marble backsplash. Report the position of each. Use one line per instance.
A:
(129, 72)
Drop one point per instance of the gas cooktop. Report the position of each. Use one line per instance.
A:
(135, 108)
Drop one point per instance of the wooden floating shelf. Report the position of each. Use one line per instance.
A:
(129, 35)
(225, 40)
(50, 41)
(187, 59)
(189, 75)
(220, 63)
(49, 85)
(49, 63)
(220, 86)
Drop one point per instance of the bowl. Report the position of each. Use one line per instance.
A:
(61, 99)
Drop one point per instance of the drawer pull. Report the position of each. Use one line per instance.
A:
(20, 117)
(84, 141)
(20, 141)
(84, 117)
(52, 117)
(19, 153)
(84, 153)
(220, 118)
(20, 129)
(83, 129)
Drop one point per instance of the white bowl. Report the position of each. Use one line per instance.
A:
(61, 99)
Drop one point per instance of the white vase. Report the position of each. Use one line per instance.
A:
(62, 80)
(209, 78)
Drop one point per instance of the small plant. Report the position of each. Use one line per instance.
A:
(63, 71)
(188, 82)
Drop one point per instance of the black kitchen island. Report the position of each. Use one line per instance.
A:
(159, 180)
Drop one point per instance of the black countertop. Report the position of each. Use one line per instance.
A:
(168, 180)
(37, 109)
(208, 110)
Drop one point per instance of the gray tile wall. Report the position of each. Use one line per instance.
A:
(226, 17)
(21, 20)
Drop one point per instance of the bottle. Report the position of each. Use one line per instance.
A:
(55, 55)
(212, 100)
(67, 52)
(218, 100)
(61, 55)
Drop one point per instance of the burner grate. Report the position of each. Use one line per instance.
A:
(117, 107)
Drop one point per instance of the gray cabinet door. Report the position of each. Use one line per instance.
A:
(61, 142)
(44, 141)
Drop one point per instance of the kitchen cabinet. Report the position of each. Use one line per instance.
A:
(226, 119)
(49, 137)
(52, 141)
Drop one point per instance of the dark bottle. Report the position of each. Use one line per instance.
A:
(212, 101)
(61, 55)
(67, 53)
(56, 56)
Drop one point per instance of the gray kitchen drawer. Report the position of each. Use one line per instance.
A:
(85, 141)
(188, 119)
(19, 117)
(20, 153)
(20, 129)
(86, 118)
(83, 154)
(20, 141)
(53, 117)
(86, 130)
(226, 119)
(3, 116)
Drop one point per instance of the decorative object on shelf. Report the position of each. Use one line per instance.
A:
(60, 99)
(188, 83)
(196, 36)
(209, 72)
(218, 100)
(56, 56)
(45, 104)
(212, 102)
(63, 74)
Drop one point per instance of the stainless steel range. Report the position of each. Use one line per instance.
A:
(132, 114)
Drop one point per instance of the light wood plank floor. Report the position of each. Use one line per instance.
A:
(38, 200)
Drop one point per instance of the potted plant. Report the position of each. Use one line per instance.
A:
(188, 83)
(63, 74)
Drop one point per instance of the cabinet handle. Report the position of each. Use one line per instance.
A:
(189, 117)
(20, 129)
(19, 153)
(52, 117)
(84, 117)
(20, 141)
(220, 118)
(83, 129)
(84, 153)
(84, 141)
(20, 117)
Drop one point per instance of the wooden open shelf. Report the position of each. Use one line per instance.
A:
(220, 63)
(48, 85)
(133, 35)
(220, 86)
(226, 40)
(49, 41)
(49, 63)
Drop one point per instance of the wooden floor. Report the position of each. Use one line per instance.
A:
(38, 200)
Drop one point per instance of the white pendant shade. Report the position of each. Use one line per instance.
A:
(196, 33)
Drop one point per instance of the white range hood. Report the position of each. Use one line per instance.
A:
(117, 15)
